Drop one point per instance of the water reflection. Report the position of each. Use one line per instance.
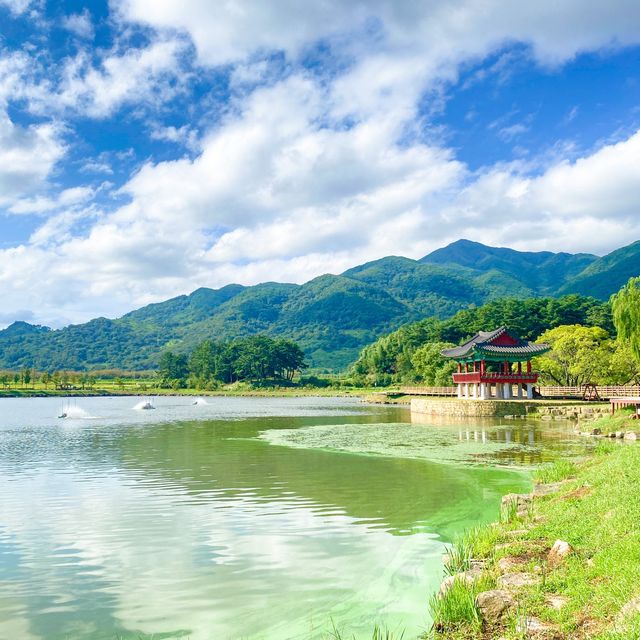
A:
(509, 442)
(132, 524)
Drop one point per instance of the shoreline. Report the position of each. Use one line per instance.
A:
(561, 562)
(187, 393)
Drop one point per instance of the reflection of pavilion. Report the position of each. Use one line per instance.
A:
(508, 436)
(488, 360)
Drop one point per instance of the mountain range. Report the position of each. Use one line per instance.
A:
(332, 316)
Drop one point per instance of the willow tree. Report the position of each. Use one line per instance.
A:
(625, 306)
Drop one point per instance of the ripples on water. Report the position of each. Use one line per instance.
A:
(187, 522)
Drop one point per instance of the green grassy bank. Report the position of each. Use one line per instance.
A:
(592, 592)
(240, 391)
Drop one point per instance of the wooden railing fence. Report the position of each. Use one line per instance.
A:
(573, 393)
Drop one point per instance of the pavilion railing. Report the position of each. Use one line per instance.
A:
(473, 376)
(604, 392)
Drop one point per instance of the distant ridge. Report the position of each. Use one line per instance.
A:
(332, 316)
(607, 274)
(542, 271)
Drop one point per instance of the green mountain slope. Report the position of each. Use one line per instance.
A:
(542, 272)
(332, 317)
(606, 275)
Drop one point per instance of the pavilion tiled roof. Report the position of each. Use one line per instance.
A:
(482, 341)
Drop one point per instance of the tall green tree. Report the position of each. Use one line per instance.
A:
(173, 368)
(624, 367)
(254, 358)
(625, 307)
(431, 366)
(578, 355)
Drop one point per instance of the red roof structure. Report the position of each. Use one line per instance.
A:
(492, 363)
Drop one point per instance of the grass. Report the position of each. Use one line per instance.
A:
(555, 471)
(458, 558)
(631, 631)
(509, 512)
(622, 420)
(456, 610)
(597, 512)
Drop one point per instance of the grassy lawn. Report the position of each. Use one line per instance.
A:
(596, 509)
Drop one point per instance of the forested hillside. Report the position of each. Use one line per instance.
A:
(405, 354)
(331, 317)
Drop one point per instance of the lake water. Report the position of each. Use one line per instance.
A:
(241, 518)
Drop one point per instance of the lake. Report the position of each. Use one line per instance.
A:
(253, 518)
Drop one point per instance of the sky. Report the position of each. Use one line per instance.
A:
(151, 147)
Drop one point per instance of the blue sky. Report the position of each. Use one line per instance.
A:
(148, 148)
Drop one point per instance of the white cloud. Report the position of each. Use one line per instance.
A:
(507, 134)
(305, 174)
(589, 204)
(290, 204)
(42, 204)
(80, 24)
(27, 157)
(227, 32)
(415, 43)
(135, 76)
(96, 166)
(16, 7)
(184, 135)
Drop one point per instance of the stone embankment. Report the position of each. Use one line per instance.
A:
(584, 411)
(512, 573)
(544, 410)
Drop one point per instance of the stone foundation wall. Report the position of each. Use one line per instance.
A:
(533, 409)
(453, 407)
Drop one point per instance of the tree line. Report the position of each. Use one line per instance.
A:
(29, 377)
(580, 330)
(252, 359)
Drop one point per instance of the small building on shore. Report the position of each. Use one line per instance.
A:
(495, 365)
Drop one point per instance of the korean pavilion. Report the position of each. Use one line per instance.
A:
(490, 365)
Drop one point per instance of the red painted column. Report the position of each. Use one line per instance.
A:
(466, 367)
(528, 366)
(519, 367)
(459, 368)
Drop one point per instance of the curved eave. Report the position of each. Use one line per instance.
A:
(527, 351)
(498, 354)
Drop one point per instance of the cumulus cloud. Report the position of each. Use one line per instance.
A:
(95, 84)
(16, 7)
(27, 157)
(588, 204)
(305, 172)
(138, 75)
(226, 32)
(42, 204)
(406, 202)
(396, 47)
(80, 24)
